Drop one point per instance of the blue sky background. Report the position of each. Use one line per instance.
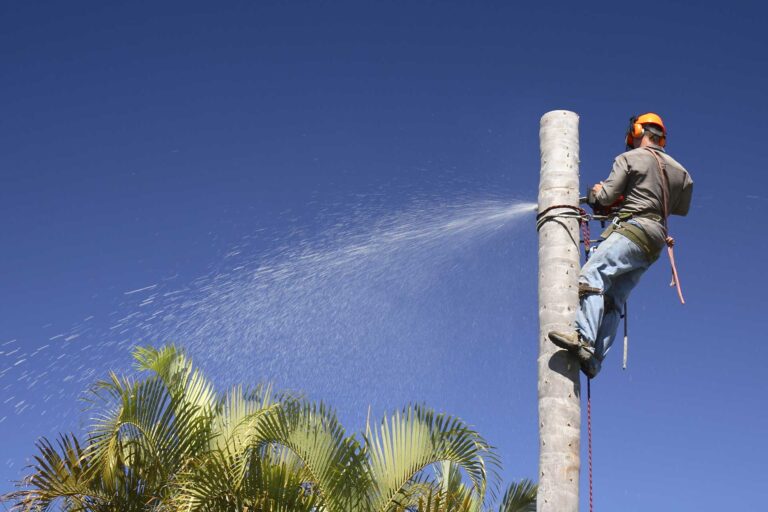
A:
(146, 143)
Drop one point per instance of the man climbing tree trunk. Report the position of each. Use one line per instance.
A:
(648, 186)
(559, 409)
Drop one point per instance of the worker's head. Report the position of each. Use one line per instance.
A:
(644, 130)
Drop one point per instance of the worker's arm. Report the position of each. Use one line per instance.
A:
(683, 203)
(614, 185)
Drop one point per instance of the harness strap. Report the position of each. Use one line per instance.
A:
(636, 234)
(643, 215)
(665, 206)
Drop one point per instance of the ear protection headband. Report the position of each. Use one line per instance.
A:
(636, 130)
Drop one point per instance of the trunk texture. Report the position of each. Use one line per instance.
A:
(559, 393)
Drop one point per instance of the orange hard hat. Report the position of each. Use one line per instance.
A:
(651, 118)
(636, 129)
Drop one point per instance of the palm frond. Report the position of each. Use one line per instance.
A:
(149, 427)
(333, 462)
(272, 484)
(183, 381)
(236, 414)
(59, 475)
(411, 441)
(520, 497)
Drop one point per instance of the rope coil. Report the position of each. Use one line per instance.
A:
(574, 212)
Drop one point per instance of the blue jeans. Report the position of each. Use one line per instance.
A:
(615, 268)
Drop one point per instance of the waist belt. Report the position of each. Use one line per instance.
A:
(655, 217)
(651, 216)
(635, 233)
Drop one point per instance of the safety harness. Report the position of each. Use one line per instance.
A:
(620, 224)
(634, 232)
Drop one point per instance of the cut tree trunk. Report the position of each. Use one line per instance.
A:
(559, 393)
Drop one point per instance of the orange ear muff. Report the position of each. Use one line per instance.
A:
(635, 131)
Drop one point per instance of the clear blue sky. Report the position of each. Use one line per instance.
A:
(141, 142)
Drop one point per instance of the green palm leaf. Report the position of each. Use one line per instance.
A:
(270, 483)
(410, 442)
(520, 497)
(146, 430)
(165, 441)
(58, 475)
(333, 462)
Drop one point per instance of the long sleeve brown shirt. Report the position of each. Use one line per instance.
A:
(635, 175)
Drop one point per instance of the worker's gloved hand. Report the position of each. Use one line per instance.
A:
(598, 208)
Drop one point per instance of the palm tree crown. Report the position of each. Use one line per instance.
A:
(169, 442)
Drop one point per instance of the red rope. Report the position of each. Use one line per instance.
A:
(586, 236)
(675, 279)
(585, 231)
(589, 435)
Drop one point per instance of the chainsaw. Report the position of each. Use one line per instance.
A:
(601, 212)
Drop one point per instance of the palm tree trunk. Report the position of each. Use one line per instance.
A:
(559, 408)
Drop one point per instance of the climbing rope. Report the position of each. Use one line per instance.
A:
(586, 236)
(574, 212)
(589, 437)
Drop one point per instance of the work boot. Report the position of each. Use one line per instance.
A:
(578, 346)
(573, 343)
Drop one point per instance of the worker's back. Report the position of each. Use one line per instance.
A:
(643, 188)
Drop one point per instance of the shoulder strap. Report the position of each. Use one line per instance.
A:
(665, 205)
(664, 186)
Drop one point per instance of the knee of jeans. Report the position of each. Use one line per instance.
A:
(591, 275)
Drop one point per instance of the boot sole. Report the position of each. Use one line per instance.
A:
(564, 343)
(578, 349)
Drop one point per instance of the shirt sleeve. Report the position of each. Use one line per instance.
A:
(683, 203)
(616, 182)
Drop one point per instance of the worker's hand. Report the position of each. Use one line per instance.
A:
(597, 188)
